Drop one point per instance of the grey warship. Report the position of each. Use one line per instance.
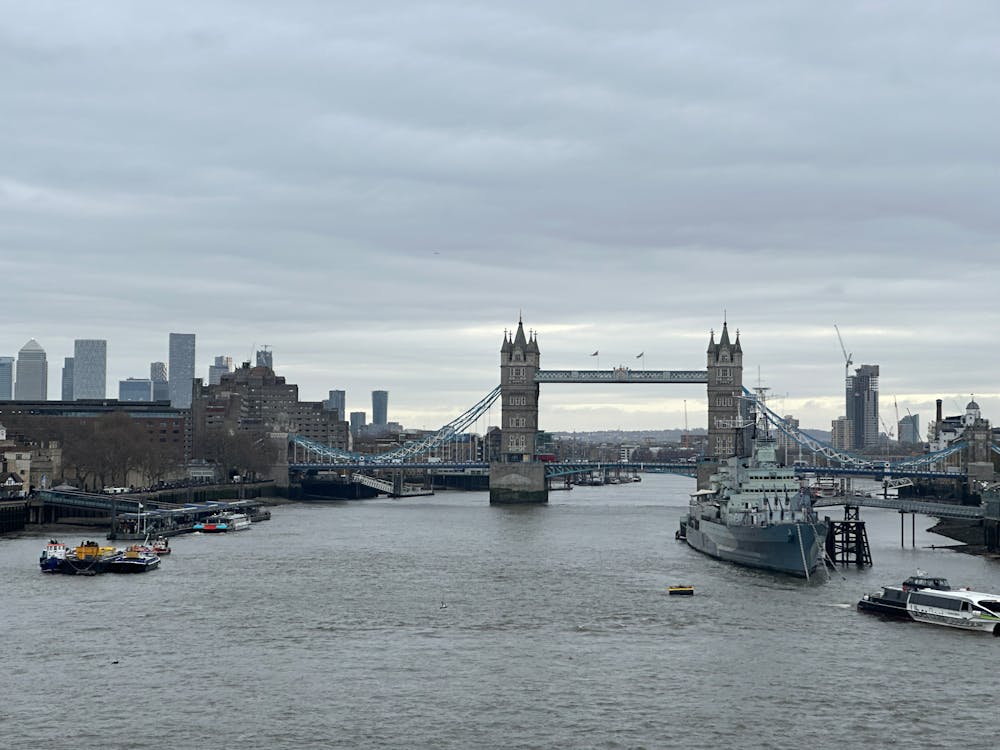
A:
(756, 513)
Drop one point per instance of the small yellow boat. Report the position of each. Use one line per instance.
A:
(680, 590)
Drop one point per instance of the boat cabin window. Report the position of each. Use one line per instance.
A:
(930, 600)
(941, 584)
(992, 606)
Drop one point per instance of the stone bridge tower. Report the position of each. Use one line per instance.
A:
(725, 395)
(519, 358)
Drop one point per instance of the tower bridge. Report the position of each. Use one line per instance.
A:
(521, 375)
(515, 475)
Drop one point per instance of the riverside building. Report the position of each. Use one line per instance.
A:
(254, 399)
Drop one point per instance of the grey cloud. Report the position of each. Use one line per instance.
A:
(348, 182)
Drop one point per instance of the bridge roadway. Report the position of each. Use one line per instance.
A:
(878, 471)
(562, 468)
(552, 468)
(621, 375)
(938, 510)
(130, 505)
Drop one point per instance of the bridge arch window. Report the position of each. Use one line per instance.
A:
(517, 374)
(518, 400)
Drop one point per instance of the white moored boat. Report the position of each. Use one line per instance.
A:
(223, 522)
(962, 608)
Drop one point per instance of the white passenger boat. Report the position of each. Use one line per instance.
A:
(962, 608)
(223, 522)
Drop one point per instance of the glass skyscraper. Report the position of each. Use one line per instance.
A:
(135, 389)
(158, 374)
(67, 379)
(181, 369)
(90, 369)
(6, 378)
(32, 382)
(337, 401)
(380, 408)
(357, 422)
(265, 358)
(862, 406)
(222, 365)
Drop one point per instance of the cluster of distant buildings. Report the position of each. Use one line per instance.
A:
(84, 377)
(859, 428)
(178, 416)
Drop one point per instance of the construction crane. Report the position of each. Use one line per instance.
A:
(897, 410)
(847, 357)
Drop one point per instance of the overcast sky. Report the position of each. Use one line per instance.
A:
(375, 190)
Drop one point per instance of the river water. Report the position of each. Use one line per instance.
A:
(442, 622)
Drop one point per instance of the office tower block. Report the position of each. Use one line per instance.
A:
(357, 422)
(90, 368)
(32, 379)
(222, 366)
(6, 378)
(909, 429)
(158, 374)
(135, 389)
(67, 379)
(380, 408)
(265, 358)
(336, 402)
(862, 406)
(181, 376)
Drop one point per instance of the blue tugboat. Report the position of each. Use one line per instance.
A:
(53, 557)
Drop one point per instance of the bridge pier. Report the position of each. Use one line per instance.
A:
(518, 484)
(902, 529)
(847, 540)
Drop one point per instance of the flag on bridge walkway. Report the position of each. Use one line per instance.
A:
(594, 354)
(640, 355)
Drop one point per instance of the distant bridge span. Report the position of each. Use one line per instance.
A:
(621, 375)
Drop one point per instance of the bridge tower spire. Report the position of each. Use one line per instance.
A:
(519, 359)
(725, 391)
